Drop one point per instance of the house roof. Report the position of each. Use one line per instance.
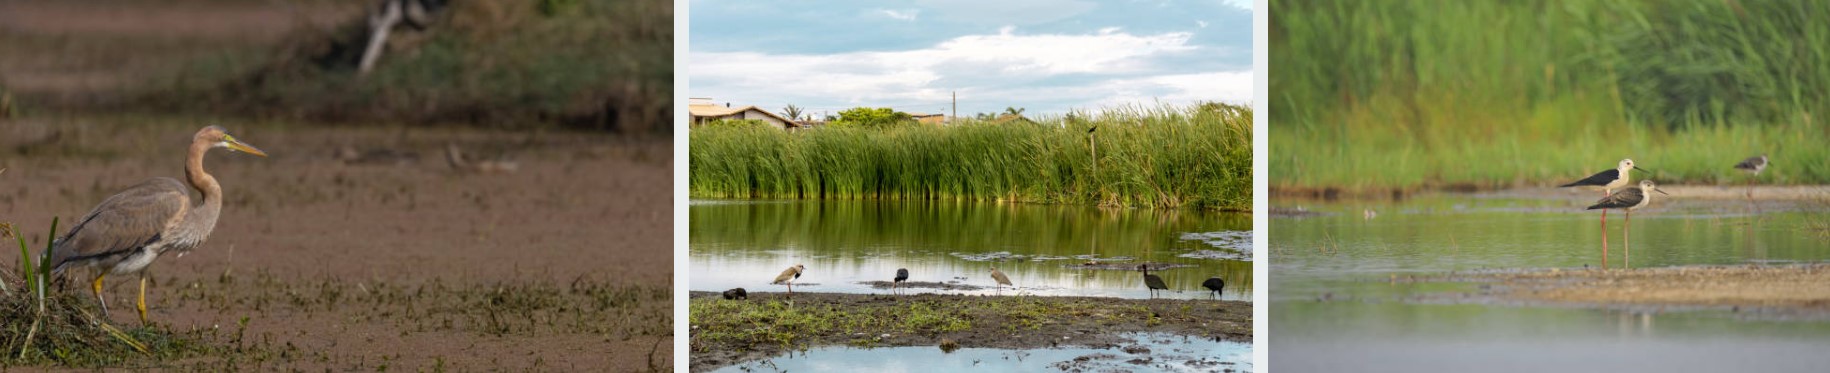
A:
(721, 111)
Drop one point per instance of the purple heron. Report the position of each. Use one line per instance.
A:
(127, 231)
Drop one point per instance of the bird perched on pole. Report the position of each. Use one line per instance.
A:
(127, 231)
(788, 276)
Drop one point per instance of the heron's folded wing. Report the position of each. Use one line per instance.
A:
(125, 221)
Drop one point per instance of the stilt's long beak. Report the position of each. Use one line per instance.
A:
(1641, 169)
(1661, 192)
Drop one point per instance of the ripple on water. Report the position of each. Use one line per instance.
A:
(1144, 352)
(1231, 245)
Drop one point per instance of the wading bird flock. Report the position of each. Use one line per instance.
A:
(1633, 197)
(1151, 282)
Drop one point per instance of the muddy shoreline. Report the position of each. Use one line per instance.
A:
(1791, 291)
(725, 332)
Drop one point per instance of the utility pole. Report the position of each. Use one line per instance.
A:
(955, 106)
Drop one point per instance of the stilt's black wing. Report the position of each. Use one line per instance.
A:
(1598, 179)
(1751, 163)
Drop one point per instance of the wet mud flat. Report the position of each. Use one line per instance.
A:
(323, 261)
(1782, 291)
(728, 332)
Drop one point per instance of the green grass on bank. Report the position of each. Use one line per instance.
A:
(1159, 157)
(1408, 94)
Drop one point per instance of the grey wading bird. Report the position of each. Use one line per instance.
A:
(788, 276)
(1628, 199)
(1000, 278)
(902, 274)
(1607, 182)
(1214, 284)
(1153, 282)
(129, 230)
(1752, 165)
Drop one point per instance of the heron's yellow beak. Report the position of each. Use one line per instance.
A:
(239, 146)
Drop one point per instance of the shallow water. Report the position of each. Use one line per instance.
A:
(1043, 249)
(1167, 353)
(1332, 307)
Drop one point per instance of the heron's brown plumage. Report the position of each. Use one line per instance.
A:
(129, 230)
(124, 224)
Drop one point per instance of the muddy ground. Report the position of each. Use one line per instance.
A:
(1790, 291)
(726, 332)
(334, 264)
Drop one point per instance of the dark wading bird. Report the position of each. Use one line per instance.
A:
(1607, 181)
(129, 230)
(1752, 165)
(1628, 199)
(902, 274)
(1214, 284)
(788, 276)
(1000, 278)
(736, 294)
(1152, 281)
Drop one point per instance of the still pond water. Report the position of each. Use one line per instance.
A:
(1167, 353)
(1044, 249)
(1333, 310)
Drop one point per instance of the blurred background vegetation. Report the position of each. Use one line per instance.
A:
(1409, 95)
(590, 64)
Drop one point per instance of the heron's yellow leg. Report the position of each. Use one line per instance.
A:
(142, 302)
(98, 293)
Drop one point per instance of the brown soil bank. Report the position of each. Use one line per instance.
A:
(391, 258)
(1795, 289)
(726, 332)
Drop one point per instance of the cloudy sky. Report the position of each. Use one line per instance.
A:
(1047, 56)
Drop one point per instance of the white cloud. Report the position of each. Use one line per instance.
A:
(1226, 86)
(904, 14)
(1241, 4)
(1046, 72)
(1007, 12)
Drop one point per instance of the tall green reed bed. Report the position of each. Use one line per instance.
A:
(1408, 94)
(1196, 157)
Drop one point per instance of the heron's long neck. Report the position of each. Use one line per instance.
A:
(202, 181)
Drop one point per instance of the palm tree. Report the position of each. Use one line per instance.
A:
(1013, 110)
(792, 112)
